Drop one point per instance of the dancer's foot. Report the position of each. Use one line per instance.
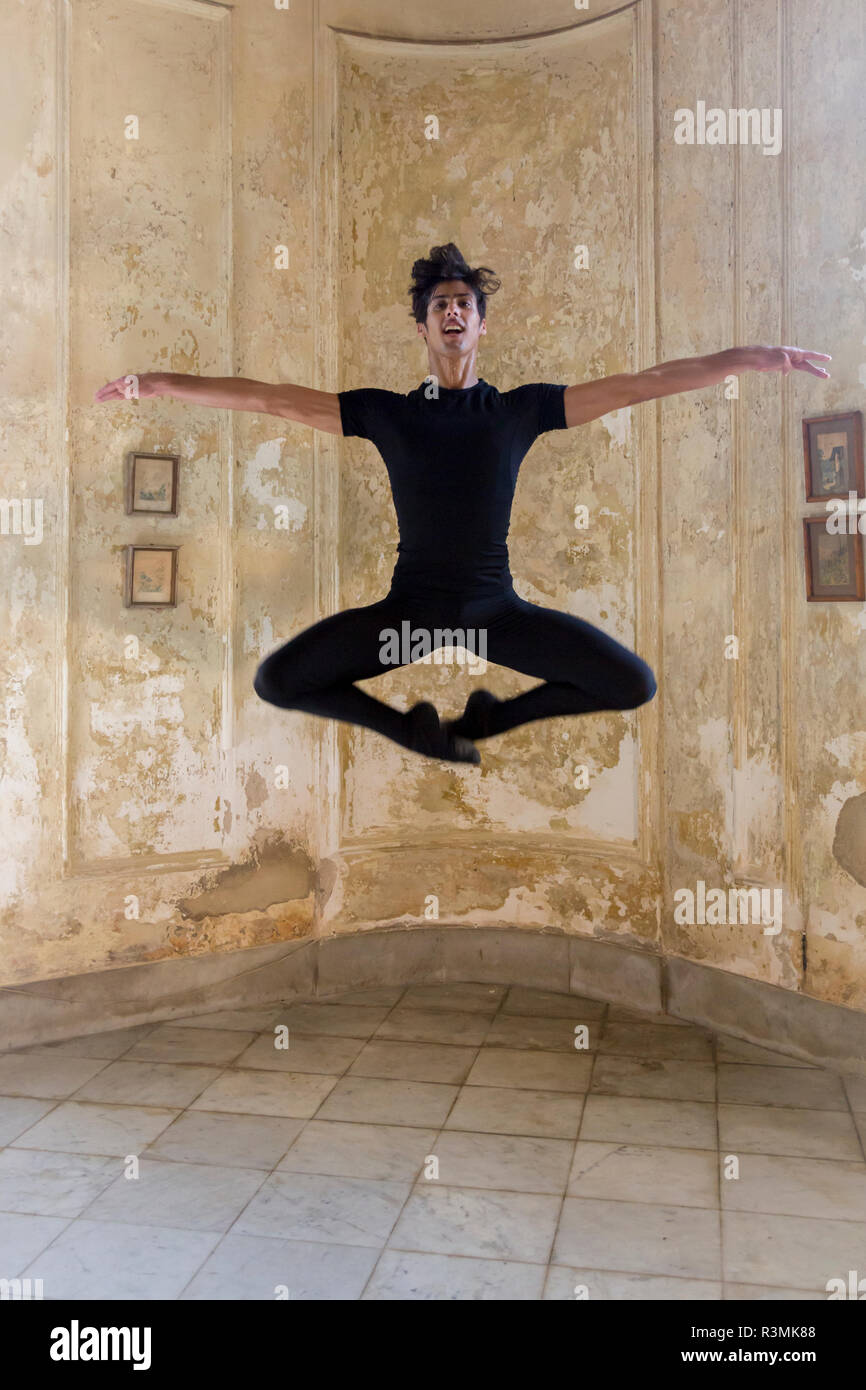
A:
(474, 722)
(434, 739)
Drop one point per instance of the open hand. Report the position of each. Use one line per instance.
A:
(785, 360)
(129, 387)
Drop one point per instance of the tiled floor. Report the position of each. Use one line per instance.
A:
(437, 1142)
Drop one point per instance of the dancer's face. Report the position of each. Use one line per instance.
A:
(452, 305)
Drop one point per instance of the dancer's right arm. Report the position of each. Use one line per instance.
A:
(318, 409)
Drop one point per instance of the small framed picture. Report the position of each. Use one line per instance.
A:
(833, 450)
(151, 576)
(834, 563)
(151, 483)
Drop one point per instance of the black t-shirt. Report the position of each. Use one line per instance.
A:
(453, 465)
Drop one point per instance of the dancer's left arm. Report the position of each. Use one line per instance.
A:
(592, 399)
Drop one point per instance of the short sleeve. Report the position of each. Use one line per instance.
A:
(551, 407)
(354, 411)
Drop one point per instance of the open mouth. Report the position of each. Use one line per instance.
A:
(454, 330)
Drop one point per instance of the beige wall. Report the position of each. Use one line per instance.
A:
(155, 777)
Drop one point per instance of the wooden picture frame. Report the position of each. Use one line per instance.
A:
(830, 557)
(833, 455)
(151, 484)
(150, 583)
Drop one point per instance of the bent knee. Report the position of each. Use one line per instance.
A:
(272, 682)
(637, 686)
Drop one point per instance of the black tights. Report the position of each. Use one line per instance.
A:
(582, 668)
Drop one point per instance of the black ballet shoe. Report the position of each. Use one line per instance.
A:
(474, 722)
(432, 738)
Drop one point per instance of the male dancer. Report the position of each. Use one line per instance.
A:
(453, 449)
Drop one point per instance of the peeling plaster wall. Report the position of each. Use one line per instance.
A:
(152, 805)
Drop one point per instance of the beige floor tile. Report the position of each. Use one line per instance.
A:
(106, 1046)
(737, 1293)
(680, 1124)
(232, 1141)
(149, 1083)
(469, 998)
(513, 1110)
(597, 1285)
(386, 996)
(170, 1043)
(819, 1187)
(506, 1162)
(649, 1040)
(252, 1020)
(45, 1078)
(620, 1014)
(630, 1172)
(801, 1133)
(23, 1237)
(18, 1113)
(798, 1252)
(435, 1025)
(640, 1237)
(255, 1267)
(325, 1055)
(187, 1196)
(738, 1050)
(406, 1275)
(336, 1020)
(546, 1034)
(654, 1079)
(487, 1225)
(308, 1206)
(291, 1094)
(537, 1071)
(52, 1184)
(384, 1102)
(391, 1153)
(794, 1087)
(542, 1003)
(107, 1260)
(414, 1061)
(87, 1128)
(856, 1089)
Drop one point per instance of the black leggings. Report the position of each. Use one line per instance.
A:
(582, 668)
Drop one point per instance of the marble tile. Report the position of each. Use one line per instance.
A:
(789, 1186)
(52, 1184)
(86, 1128)
(414, 1061)
(45, 1078)
(659, 1080)
(255, 1267)
(506, 1162)
(232, 1141)
(23, 1237)
(309, 1206)
(170, 1043)
(538, 1071)
(323, 1055)
(630, 1172)
(337, 1020)
(679, 1124)
(641, 1237)
(598, 1285)
(509, 1110)
(188, 1196)
(294, 1095)
(801, 1133)
(541, 1003)
(547, 1034)
(107, 1046)
(435, 1025)
(730, 1049)
(487, 1225)
(800, 1252)
(405, 1275)
(18, 1113)
(794, 1087)
(148, 1083)
(473, 998)
(393, 1153)
(388, 1102)
(108, 1260)
(654, 1041)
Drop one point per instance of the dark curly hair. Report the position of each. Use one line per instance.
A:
(447, 263)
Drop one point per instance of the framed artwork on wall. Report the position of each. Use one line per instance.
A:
(833, 452)
(834, 563)
(151, 483)
(151, 576)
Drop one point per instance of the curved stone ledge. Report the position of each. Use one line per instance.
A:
(807, 1029)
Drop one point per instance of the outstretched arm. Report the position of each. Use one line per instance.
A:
(318, 409)
(592, 399)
